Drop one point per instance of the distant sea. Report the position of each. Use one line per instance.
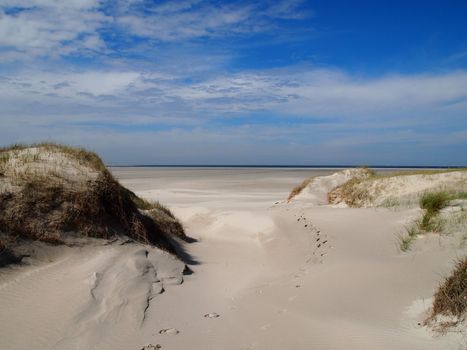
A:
(289, 166)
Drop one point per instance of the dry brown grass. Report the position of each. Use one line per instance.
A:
(350, 192)
(82, 155)
(168, 222)
(421, 172)
(355, 191)
(46, 212)
(451, 297)
(299, 188)
(48, 208)
(161, 215)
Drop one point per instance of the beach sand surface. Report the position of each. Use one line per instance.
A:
(267, 274)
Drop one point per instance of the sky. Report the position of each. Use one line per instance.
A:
(238, 82)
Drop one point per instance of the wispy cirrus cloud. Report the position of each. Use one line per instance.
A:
(60, 28)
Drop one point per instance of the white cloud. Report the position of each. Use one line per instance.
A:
(58, 28)
(165, 88)
(296, 92)
(191, 21)
(51, 28)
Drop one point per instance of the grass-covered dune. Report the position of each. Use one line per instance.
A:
(405, 187)
(49, 192)
(440, 195)
(316, 189)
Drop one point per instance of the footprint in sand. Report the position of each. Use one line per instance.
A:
(212, 315)
(321, 243)
(169, 331)
(151, 347)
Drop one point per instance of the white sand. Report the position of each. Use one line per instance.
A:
(269, 276)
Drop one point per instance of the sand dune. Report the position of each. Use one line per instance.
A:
(399, 189)
(267, 275)
(314, 190)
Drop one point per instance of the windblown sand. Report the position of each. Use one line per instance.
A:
(267, 275)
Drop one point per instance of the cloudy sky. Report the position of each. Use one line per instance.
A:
(238, 82)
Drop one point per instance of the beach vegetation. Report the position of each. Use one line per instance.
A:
(42, 203)
(360, 191)
(80, 154)
(431, 220)
(368, 173)
(411, 233)
(433, 202)
(409, 172)
(299, 188)
(350, 191)
(450, 300)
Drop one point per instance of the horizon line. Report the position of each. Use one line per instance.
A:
(288, 166)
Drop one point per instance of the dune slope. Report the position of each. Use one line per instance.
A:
(49, 191)
(399, 188)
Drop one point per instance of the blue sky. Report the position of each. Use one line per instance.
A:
(238, 82)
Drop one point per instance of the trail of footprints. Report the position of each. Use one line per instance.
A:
(319, 241)
(174, 331)
(320, 247)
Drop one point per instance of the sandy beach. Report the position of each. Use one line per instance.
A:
(267, 274)
(233, 175)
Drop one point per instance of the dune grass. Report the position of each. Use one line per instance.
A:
(46, 207)
(406, 240)
(162, 215)
(299, 188)
(420, 172)
(451, 297)
(350, 191)
(355, 191)
(432, 203)
(82, 155)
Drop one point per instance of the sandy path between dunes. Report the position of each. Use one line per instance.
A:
(266, 276)
(295, 277)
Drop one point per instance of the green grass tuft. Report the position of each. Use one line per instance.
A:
(431, 220)
(405, 241)
(433, 202)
